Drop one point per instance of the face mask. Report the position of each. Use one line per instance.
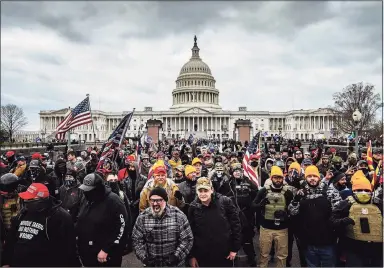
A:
(254, 164)
(337, 166)
(35, 172)
(219, 174)
(363, 197)
(114, 186)
(364, 170)
(39, 205)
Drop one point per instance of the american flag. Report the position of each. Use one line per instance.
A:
(115, 140)
(248, 171)
(79, 116)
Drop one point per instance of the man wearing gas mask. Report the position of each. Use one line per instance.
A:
(37, 174)
(70, 195)
(219, 177)
(42, 235)
(102, 224)
(272, 203)
(9, 201)
(243, 193)
(145, 165)
(361, 225)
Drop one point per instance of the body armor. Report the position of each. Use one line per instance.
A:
(276, 202)
(9, 208)
(375, 221)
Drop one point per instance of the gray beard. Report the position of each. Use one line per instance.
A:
(157, 214)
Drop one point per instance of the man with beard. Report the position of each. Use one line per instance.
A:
(339, 184)
(272, 201)
(42, 235)
(175, 198)
(162, 236)
(188, 187)
(324, 166)
(132, 183)
(178, 175)
(315, 231)
(145, 165)
(101, 225)
(216, 228)
(70, 195)
(208, 162)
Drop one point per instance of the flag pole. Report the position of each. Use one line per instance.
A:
(261, 133)
(90, 110)
(69, 136)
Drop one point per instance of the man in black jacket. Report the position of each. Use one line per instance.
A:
(216, 228)
(101, 225)
(312, 210)
(42, 234)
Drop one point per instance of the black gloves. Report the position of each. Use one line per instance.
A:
(172, 261)
(347, 221)
(264, 202)
(299, 195)
(178, 195)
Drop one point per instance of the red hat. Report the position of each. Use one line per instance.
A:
(35, 190)
(9, 154)
(160, 170)
(207, 155)
(332, 150)
(131, 158)
(37, 156)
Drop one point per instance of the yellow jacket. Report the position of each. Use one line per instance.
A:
(19, 170)
(174, 164)
(169, 186)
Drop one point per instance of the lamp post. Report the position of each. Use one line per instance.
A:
(356, 116)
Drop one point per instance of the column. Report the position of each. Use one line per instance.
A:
(220, 125)
(193, 123)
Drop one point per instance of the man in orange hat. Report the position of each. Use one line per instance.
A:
(361, 225)
(175, 198)
(42, 234)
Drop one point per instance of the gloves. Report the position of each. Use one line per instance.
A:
(172, 261)
(178, 195)
(347, 221)
(264, 202)
(299, 195)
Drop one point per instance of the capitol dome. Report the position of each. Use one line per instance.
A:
(195, 85)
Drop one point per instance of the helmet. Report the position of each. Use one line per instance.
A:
(9, 183)
(337, 160)
(144, 156)
(219, 167)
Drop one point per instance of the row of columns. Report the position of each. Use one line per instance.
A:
(187, 83)
(187, 97)
(275, 123)
(315, 123)
(50, 122)
(203, 123)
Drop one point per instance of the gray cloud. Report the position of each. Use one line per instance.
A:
(266, 55)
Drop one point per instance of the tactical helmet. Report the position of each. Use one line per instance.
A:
(337, 160)
(9, 183)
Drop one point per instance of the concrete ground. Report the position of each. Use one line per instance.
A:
(130, 259)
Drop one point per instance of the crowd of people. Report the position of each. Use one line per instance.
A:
(191, 203)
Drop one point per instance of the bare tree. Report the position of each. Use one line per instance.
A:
(12, 119)
(356, 96)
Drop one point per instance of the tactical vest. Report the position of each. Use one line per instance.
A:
(10, 207)
(375, 221)
(276, 202)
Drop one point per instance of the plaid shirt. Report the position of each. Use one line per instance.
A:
(159, 238)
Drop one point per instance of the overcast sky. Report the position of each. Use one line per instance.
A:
(268, 56)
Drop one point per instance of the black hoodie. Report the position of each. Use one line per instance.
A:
(42, 239)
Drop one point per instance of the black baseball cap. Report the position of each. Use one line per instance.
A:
(90, 182)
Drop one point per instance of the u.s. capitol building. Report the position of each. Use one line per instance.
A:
(196, 109)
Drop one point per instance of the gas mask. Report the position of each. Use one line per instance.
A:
(35, 172)
(69, 181)
(363, 196)
(219, 174)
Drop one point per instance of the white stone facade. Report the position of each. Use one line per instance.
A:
(195, 108)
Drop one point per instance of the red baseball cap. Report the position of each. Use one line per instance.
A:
(131, 158)
(37, 156)
(159, 170)
(9, 154)
(38, 190)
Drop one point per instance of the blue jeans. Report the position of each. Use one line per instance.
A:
(323, 256)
